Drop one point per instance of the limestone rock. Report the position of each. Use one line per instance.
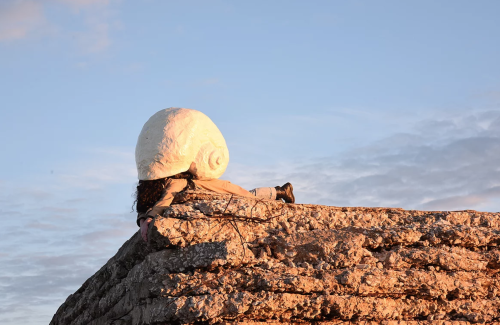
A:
(221, 259)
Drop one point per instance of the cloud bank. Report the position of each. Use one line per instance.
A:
(59, 229)
(447, 163)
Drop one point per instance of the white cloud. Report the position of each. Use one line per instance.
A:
(447, 164)
(98, 22)
(80, 4)
(100, 168)
(22, 19)
(60, 229)
(95, 39)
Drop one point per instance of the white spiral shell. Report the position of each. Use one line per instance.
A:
(175, 140)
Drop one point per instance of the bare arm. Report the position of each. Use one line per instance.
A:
(144, 227)
(173, 187)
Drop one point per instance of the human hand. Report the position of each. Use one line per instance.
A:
(144, 228)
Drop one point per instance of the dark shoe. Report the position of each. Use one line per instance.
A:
(285, 192)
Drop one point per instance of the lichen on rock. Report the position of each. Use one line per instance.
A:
(221, 259)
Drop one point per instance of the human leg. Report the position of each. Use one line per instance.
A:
(264, 192)
(284, 192)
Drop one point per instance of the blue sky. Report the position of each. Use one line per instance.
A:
(357, 103)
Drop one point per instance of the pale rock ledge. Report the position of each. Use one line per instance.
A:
(222, 259)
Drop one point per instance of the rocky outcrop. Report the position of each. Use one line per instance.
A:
(222, 259)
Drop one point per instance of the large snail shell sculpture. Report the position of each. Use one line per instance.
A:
(175, 140)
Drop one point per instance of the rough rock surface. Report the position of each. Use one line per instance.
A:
(222, 259)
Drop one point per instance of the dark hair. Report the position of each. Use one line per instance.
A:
(148, 193)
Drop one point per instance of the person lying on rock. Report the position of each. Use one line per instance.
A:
(180, 148)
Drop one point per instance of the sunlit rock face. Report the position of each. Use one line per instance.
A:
(176, 140)
(220, 259)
